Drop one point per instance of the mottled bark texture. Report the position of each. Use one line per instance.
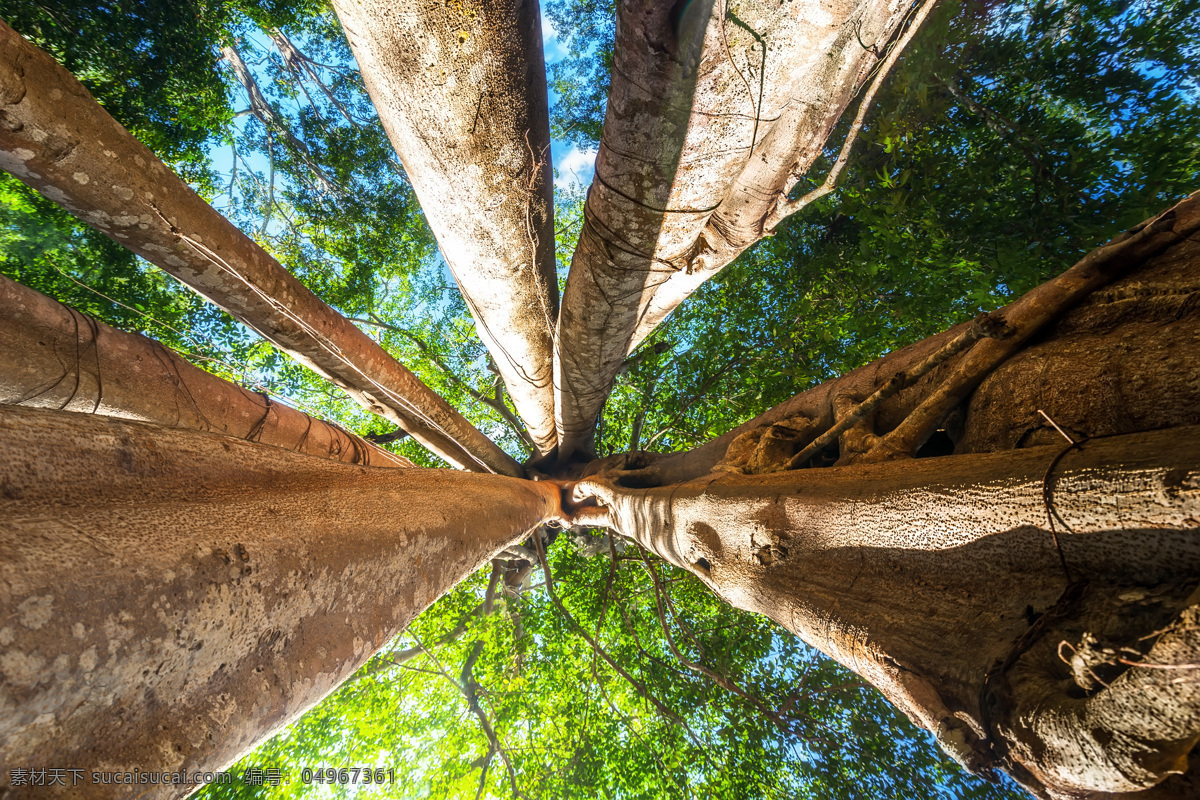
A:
(57, 139)
(1076, 670)
(716, 108)
(55, 357)
(461, 91)
(170, 598)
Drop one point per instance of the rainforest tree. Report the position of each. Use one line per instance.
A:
(993, 526)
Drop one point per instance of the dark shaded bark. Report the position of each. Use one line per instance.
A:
(55, 357)
(171, 598)
(58, 140)
(1163, 256)
(461, 92)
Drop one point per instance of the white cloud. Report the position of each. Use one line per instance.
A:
(575, 166)
(552, 49)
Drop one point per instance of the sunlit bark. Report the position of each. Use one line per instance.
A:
(923, 576)
(716, 108)
(461, 91)
(171, 598)
(57, 139)
(1063, 652)
(55, 357)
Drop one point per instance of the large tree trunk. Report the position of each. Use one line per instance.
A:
(57, 139)
(55, 357)
(1064, 652)
(716, 108)
(939, 581)
(170, 598)
(461, 91)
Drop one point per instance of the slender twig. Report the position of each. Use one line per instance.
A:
(496, 403)
(718, 678)
(469, 688)
(785, 207)
(637, 685)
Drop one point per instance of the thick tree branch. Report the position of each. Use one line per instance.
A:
(55, 357)
(108, 516)
(462, 95)
(58, 140)
(677, 194)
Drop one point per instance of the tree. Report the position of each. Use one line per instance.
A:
(1060, 652)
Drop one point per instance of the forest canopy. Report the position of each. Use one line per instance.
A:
(1009, 140)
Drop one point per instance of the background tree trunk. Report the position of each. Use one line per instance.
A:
(171, 598)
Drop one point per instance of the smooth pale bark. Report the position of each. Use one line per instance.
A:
(715, 109)
(55, 357)
(923, 576)
(170, 598)
(58, 140)
(1161, 259)
(461, 91)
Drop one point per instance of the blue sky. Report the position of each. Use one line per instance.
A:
(571, 164)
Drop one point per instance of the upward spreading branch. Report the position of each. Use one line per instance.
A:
(58, 140)
(462, 95)
(677, 195)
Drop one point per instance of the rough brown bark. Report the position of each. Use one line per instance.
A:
(715, 109)
(461, 91)
(1163, 255)
(55, 357)
(170, 598)
(923, 577)
(1065, 655)
(57, 139)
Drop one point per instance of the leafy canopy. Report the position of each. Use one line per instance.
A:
(1012, 139)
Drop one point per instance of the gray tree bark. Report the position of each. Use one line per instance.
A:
(716, 109)
(58, 140)
(461, 91)
(171, 598)
(55, 357)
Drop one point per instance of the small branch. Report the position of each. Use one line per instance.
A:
(719, 679)
(496, 403)
(469, 688)
(785, 208)
(640, 688)
(984, 326)
(387, 438)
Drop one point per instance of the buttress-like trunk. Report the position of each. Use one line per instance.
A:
(55, 357)
(1031, 598)
(171, 598)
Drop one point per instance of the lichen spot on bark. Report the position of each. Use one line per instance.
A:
(35, 612)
